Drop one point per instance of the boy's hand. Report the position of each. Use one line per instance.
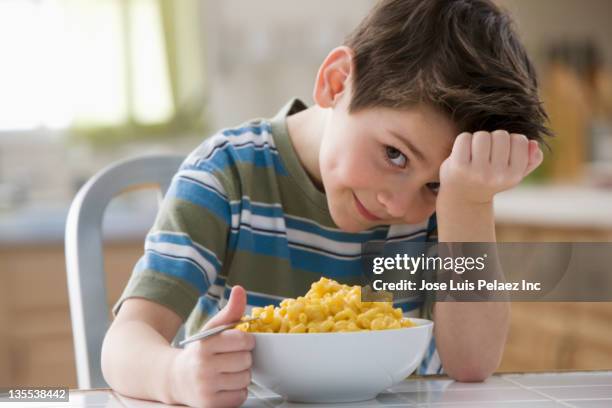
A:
(216, 371)
(483, 164)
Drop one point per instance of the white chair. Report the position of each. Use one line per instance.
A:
(84, 253)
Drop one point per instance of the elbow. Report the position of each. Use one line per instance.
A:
(470, 374)
(106, 360)
(472, 369)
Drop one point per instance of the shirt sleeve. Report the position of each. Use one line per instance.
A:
(184, 250)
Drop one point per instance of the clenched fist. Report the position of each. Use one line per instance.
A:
(215, 372)
(484, 163)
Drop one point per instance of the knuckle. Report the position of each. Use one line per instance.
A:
(241, 340)
(500, 180)
(246, 341)
(248, 360)
(500, 133)
(461, 171)
(251, 341)
(240, 379)
(239, 397)
(519, 138)
(487, 181)
(227, 336)
(231, 337)
(516, 179)
(480, 177)
(481, 134)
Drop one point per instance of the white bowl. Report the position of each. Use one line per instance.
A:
(338, 367)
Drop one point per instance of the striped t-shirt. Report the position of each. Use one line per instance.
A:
(241, 210)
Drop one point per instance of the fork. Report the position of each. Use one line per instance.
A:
(215, 330)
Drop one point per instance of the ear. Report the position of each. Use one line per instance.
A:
(333, 77)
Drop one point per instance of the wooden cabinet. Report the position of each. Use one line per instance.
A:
(550, 335)
(35, 333)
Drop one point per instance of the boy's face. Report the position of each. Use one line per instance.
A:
(380, 166)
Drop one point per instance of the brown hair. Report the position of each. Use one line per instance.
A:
(461, 56)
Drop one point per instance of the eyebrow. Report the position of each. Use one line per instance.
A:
(408, 145)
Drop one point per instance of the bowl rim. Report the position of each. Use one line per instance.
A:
(424, 323)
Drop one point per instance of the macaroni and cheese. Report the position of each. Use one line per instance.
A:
(327, 307)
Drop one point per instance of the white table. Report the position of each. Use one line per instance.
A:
(572, 389)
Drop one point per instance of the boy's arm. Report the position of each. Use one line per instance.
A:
(138, 360)
(141, 330)
(470, 336)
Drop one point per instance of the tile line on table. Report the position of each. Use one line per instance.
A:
(115, 396)
(586, 399)
(541, 393)
(266, 401)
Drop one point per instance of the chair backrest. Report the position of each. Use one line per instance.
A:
(89, 308)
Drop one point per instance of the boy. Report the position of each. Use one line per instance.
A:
(430, 106)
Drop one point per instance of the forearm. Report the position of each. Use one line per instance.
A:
(470, 336)
(136, 361)
(465, 222)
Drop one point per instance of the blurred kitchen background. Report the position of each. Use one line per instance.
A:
(85, 83)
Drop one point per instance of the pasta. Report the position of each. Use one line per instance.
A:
(327, 307)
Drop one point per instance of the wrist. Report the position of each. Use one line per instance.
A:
(461, 221)
(168, 390)
(448, 202)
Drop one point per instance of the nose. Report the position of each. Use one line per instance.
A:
(396, 202)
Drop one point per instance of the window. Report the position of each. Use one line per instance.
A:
(87, 64)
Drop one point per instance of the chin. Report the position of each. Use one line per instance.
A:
(346, 223)
(352, 227)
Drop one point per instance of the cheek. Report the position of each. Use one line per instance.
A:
(349, 167)
(417, 217)
(421, 211)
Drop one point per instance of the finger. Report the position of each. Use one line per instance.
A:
(230, 341)
(233, 310)
(232, 362)
(481, 148)
(535, 156)
(462, 148)
(234, 381)
(500, 149)
(230, 398)
(519, 153)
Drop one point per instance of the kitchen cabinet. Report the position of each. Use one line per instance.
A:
(545, 335)
(557, 335)
(35, 336)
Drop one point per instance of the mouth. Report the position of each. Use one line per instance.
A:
(363, 211)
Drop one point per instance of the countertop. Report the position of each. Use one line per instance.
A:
(555, 206)
(131, 217)
(126, 218)
(570, 389)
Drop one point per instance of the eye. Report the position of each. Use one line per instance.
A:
(396, 157)
(434, 187)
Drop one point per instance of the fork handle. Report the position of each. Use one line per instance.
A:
(208, 333)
